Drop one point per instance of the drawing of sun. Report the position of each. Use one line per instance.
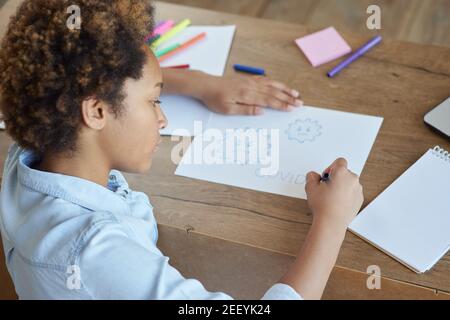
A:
(304, 130)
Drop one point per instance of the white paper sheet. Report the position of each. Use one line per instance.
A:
(181, 113)
(310, 138)
(210, 56)
(410, 220)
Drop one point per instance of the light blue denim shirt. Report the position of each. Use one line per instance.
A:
(68, 238)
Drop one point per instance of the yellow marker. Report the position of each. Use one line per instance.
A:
(171, 33)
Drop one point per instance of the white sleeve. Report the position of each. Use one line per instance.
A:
(281, 291)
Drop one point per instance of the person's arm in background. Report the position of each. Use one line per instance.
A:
(334, 204)
(231, 94)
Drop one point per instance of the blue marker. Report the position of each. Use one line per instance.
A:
(247, 69)
(325, 177)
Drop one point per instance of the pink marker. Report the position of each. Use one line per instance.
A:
(160, 29)
(163, 27)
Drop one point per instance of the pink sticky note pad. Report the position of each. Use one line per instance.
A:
(323, 46)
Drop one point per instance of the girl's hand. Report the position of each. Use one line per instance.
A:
(246, 95)
(336, 202)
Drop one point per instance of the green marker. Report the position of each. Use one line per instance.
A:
(172, 32)
(162, 52)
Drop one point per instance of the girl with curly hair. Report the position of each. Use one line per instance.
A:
(83, 105)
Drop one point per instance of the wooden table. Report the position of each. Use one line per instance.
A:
(241, 241)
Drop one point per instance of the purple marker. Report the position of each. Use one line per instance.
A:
(159, 24)
(356, 55)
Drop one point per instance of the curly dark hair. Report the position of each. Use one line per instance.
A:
(47, 69)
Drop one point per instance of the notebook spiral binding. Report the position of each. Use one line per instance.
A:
(441, 153)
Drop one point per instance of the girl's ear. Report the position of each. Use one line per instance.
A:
(93, 112)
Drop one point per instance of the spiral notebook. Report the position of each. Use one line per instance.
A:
(410, 220)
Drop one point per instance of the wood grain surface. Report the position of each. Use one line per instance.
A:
(399, 81)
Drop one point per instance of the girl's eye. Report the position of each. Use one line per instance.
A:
(156, 102)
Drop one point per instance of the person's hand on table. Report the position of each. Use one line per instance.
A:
(237, 94)
(247, 95)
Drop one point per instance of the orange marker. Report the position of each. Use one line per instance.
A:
(183, 46)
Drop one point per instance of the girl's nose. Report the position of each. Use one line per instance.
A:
(162, 120)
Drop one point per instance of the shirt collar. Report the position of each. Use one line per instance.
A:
(76, 190)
